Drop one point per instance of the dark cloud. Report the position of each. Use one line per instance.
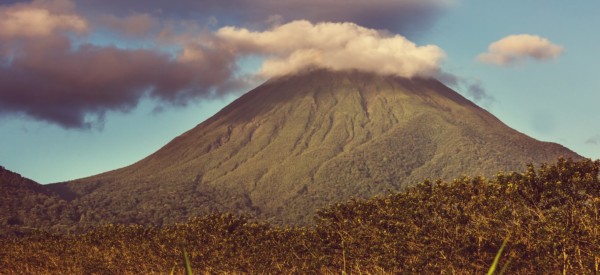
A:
(52, 81)
(478, 93)
(402, 16)
(595, 140)
(134, 25)
(474, 88)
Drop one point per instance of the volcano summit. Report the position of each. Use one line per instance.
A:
(300, 142)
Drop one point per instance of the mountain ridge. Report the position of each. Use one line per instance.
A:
(300, 142)
(24, 203)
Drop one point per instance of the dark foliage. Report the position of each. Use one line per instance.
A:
(25, 205)
(550, 216)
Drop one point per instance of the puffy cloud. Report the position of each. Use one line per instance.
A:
(39, 18)
(57, 84)
(339, 46)
(515, 49)
(47, 75)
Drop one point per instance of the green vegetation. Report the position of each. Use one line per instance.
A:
(550, 217)
(312, 139)
(494, 266)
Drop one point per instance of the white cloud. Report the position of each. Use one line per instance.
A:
(338, 46)
(515, 49)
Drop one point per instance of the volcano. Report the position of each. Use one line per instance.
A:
(300, 142)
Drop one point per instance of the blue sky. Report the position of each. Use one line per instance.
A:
(555, 100)
(78, 130)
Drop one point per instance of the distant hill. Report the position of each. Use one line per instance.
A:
(301, 142)
(27, 204)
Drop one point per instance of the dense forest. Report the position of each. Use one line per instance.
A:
(27, 204)
(549, 218)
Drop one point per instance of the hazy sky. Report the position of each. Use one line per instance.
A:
(88, 86)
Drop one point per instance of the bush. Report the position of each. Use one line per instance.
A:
(550, 217)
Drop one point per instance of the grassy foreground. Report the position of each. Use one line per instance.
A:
(550, 217)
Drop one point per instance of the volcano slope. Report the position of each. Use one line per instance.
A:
(298, 143)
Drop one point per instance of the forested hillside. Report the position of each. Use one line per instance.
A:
(26, 205)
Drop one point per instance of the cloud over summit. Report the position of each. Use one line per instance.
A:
(339, 46)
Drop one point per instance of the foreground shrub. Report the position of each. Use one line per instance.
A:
(550, 217)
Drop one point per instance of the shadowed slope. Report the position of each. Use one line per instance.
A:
(300, 142)
(24, 203)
